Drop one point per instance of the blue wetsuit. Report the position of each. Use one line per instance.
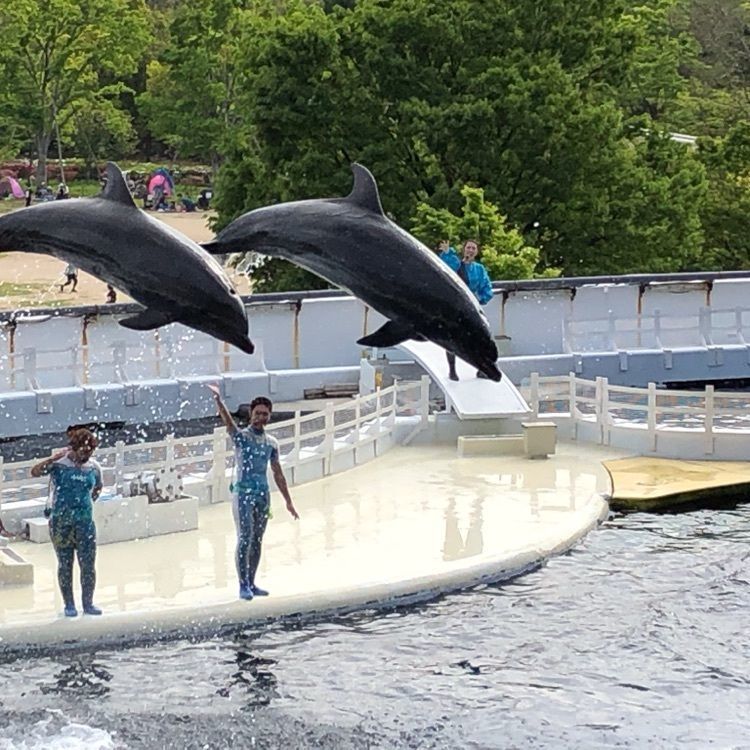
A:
(71, 524)
(251, 499)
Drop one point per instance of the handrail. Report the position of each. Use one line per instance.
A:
(217, 452)
(611, 416)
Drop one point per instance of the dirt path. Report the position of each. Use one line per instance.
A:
(29, 280)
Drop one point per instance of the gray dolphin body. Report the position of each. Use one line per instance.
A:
(351, 243)
(110, 238)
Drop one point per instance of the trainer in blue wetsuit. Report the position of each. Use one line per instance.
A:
(474, 275)
(76, 481)
(255, 449)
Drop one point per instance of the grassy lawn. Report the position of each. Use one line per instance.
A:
(28, 295)
(9, 289)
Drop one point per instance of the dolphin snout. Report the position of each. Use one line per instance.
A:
(492, 371)
(244, 344)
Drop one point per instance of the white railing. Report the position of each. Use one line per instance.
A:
(209, 459)
(692, 424)
(705, 327)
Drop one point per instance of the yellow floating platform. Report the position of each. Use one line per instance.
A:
(644, 483)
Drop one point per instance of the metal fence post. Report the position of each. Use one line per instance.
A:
(424, 400)
(572, 408)
(657, 328)
(604, 411)
(219, 464)
(330, 429)
(651, 415)
(120, 467)
(534, 394)
(709, 420)
(357, 419)
(169, 462)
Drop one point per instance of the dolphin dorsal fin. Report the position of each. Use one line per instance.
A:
(365, 190)
(116, 188)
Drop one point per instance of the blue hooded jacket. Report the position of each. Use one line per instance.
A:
(476, 273)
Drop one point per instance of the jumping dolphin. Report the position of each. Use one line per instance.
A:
(110, 238)
(351, 243)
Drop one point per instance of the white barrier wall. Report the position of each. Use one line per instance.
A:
(71, 348)
(79, 365)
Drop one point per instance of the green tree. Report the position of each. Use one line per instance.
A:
(101, 130)
(505, 253)
(190, 90)
(725, 210)
(62, 55)
(548, 106)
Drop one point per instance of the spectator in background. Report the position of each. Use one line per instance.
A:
(159, 200)
(204, 199)
(184, 203)
(71, 276)
(111, 294)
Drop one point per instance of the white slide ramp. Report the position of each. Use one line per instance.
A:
(470, 397)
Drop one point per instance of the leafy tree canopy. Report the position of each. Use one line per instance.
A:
(63, 55)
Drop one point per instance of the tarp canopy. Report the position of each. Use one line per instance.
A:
(9, 186)
(161, 178)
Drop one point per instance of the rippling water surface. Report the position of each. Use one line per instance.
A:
(636, 639)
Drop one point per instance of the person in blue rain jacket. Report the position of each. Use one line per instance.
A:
(474, 275)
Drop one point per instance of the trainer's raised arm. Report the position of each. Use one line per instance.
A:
(226, 417)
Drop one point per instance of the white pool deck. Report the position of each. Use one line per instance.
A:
(412, 523)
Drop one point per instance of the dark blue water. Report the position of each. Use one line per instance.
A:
(637, 638)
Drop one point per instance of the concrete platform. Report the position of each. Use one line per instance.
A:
(647, 484)
(415, 522)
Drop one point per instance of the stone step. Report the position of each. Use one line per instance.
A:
(38, 529)
(14, 570)
(14, 515)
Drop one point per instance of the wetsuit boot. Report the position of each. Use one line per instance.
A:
(452, 374)
(246, 591)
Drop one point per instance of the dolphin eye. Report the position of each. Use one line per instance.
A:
(232, 291)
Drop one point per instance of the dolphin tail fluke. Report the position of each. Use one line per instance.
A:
(147, 320)
(390, 334)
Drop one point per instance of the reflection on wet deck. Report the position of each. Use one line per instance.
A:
(418, 518)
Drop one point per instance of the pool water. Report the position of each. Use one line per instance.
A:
(636, 638)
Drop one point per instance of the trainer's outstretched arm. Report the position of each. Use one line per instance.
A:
(226, 417)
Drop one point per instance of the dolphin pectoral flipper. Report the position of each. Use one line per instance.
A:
(147, 320)
(390, 334)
